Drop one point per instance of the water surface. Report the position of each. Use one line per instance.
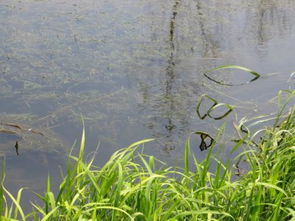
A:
(133, 69)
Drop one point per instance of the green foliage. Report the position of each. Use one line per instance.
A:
(235, 67)
(133, 186)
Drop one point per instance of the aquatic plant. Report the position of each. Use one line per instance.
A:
(236, 67)
(135, 186)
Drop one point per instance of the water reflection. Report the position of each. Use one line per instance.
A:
(170, 75)
(210, 45)
(269, 19)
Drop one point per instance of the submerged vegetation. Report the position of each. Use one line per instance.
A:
(135, 186)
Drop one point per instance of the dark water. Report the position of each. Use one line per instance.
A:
(133, 69)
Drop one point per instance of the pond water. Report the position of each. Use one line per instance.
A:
(133, 69)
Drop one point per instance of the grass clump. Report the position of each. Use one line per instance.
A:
(134, 186)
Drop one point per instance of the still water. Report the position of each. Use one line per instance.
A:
(133, 69)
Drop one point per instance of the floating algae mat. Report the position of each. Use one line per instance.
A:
(17, 135)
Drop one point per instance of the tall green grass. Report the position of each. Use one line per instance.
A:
(135, 186)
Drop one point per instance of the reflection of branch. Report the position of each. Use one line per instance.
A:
(170, 70)
(263, 8)
(264, 20)
(172, 25)
(260, 23)
(209, 43)
(170, 74)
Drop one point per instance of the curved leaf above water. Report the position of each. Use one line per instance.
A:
(214, 106)
(255, 74)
